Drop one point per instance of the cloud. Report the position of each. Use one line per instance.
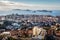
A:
(9, 5)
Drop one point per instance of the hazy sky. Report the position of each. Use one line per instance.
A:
(30, 4)
(39, 1)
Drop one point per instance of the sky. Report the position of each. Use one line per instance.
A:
(29, 4)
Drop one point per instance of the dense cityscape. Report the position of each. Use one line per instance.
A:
(29, 19)
(29, 27)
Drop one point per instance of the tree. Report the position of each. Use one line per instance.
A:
(10, 38)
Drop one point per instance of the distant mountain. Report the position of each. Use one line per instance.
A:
(31, 12)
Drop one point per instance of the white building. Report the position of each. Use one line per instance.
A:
(6, 33)
(39, 32)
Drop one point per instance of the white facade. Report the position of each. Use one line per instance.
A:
(3, 18)
(39, 32)
(6, 33)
